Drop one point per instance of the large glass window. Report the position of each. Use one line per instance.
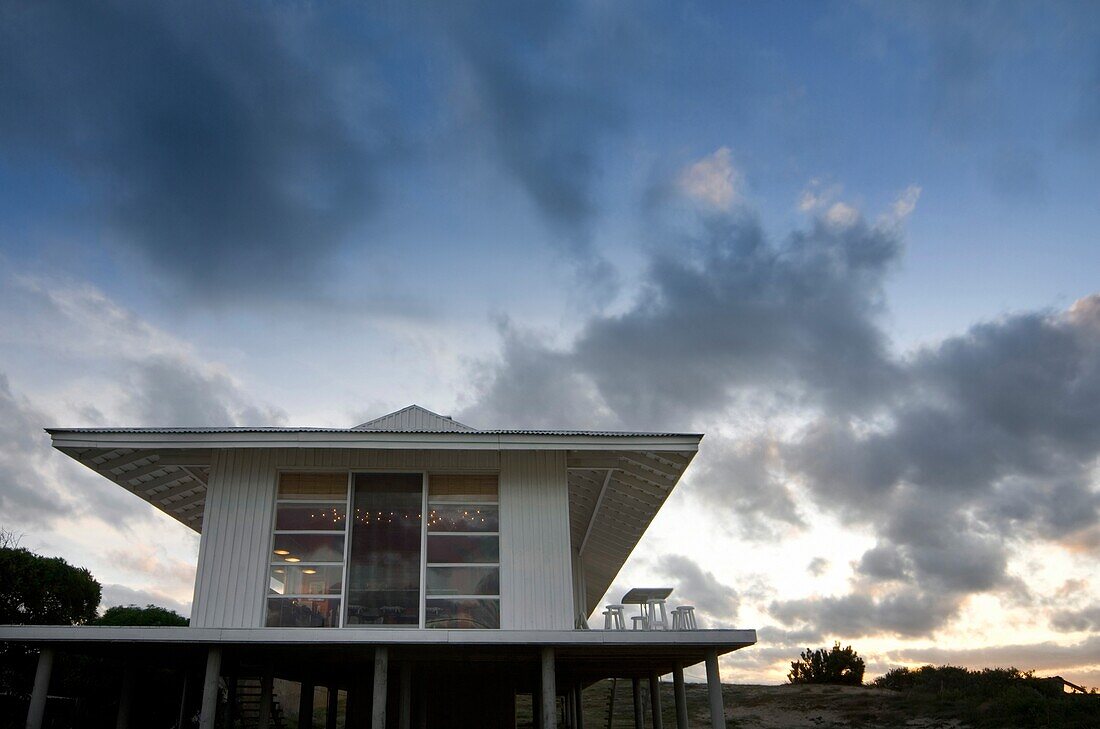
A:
(463, 553)
(381, 549)
(305, 579)
(384, 560)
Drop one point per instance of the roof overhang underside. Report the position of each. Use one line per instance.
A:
(617, 484)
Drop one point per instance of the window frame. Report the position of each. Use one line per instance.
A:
(348, 502)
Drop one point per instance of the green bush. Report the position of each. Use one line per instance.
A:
(134, 615)
(838, 665)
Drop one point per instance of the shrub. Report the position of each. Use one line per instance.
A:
(134, 615)
(837, 665)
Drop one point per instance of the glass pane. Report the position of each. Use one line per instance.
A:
(384, 567)
(460, 518)
(310, 516)
(308, 548)
(306, 579)
(462, 488)
(303, 612)
(312, 486)
(463, 613)
(463, 549)
(463, 581)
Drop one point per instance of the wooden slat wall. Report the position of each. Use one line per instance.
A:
(536, 584)
(536, 572)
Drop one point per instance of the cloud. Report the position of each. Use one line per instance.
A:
(1087, 618)
(712, 181)
(818, 566)
(233, 149)
(27, 498)
(735, 317)
(951, 456)
(699, 587)
(175, 391)
(541, 82)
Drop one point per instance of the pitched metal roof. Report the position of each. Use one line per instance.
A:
(214, 430)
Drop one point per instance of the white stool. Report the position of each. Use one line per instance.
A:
(652, 607)
(613, 618)
(683, 618)
(638, 622)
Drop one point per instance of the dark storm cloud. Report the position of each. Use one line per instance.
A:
(225, 143)
(738, 314)
(715, 603)
(163, 390)
(1037, 656)
(950, 456)
(541, 80)
(1073, 620)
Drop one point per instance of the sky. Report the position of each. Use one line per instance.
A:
(852, 243)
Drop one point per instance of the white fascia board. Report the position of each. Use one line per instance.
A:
(335, 636)
(366, 439)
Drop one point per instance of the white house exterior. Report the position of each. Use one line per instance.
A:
(411, 561)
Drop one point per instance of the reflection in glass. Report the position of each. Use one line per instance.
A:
(310, 517)
(303, 612)
(462, 549)
(384, 559)
(462, 518)
(463, 581)
(463, 613)
(306, 579)
(313, 486)
(308, 548)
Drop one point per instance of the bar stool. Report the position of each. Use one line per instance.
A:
(638, 622)
(613, 618)
(652, 607)
(683, 618)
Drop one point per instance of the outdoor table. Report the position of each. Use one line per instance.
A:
(641, 595)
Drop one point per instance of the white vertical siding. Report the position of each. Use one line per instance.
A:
(536, 583)
(231, 584)
(580, 585)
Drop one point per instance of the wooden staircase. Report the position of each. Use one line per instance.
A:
(247, 710)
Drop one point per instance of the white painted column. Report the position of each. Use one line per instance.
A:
(381, 674)
(655, 700)
(404, 717)
(714, 692)
(305, 706)
(125, 697)
(681, 696)
(37, 708)
(210, 688)
(267, 686)
(549, 700)
(331, 706)
(639, 705)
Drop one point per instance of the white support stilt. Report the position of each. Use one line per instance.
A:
(549, 699)
(331, 706)
(681, 696)
(125, 697)
(578, 694)
(305, 706)
(655, 700)
(210, 688)
(405, 711)
(267, 691)
(381, 674)
(639, 705)
(37, 708)
(714, 692)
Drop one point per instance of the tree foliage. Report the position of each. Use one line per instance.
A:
(36, 590)
(836, 666)
(134, 615)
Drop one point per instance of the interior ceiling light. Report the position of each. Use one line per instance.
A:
(291, 559)
(282, 552)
